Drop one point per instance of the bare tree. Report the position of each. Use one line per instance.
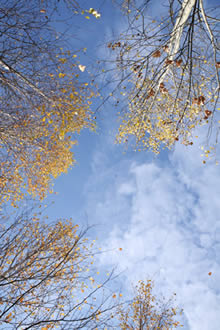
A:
(169, 65)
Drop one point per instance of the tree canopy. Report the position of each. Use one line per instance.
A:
(49, 279)
(47, 276)
(43, 99)
(167, 85)
(168, 68)
(145, 311)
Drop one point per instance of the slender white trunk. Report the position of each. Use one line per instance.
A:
(181, 20)
(175, 37)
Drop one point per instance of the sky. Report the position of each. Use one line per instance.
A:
(162, 211)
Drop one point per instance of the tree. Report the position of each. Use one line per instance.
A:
(47, 278)
(169, 66)
(43, 100)
(145, 312)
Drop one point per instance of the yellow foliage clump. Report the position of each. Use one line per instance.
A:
(145, 312)
(36, 146)
(42, 268)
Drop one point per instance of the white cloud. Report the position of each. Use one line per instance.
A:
(166, 219)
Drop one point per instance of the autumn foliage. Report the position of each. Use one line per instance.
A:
(146, 312)
(44, 102)
(167, 69)
(47, 278)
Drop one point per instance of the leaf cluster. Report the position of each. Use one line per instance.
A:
(44, 103)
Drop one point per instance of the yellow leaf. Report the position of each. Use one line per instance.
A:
(8, 316)
(63, 60)
(81, 67)
(61, 135)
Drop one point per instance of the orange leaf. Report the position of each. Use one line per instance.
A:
(157, 53)
(201, 100)
(208, 113)
(166, 48)
(8, 316)
(168, 62)
(178, 62)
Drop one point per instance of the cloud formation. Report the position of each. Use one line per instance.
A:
(166, 219)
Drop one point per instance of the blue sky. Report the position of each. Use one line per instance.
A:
(164, 211)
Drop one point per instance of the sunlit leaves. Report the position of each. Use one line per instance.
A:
(94, 13)
(172, 80)
(37, 146)
(146, 312)
(46, 279)
(82, 67)
(45, 99)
